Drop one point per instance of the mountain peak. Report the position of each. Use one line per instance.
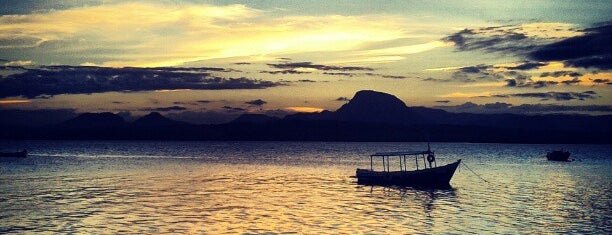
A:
(155, 119)
(105, 119)
(373, 106)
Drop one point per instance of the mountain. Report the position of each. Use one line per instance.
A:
(155, 119)
(375, 107)
(95, 120)
(369, 116)
(254, 118)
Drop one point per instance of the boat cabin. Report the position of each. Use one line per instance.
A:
(428, 159)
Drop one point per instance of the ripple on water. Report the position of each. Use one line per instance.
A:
(315, 195)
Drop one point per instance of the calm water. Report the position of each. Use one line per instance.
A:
(296, 187)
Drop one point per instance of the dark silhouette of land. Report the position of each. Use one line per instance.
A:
(369, 116)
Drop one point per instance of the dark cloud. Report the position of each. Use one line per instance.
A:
(591, 50)
(164, 109)
(203, 101)
(527, 65)
(529, 83)
(492, 39)
(310, 65)
(119, 102)
(55, 80)
(343, 99)
(233, 109)
(480, 72)
(339, 74)
(475, 69)
(242, 63)
(601, 80)
(500, 107)
(557, 74)
(257, 102)
(431, 79)
(558, 96)
(571, 82)
(394, 76)
(306, 80)
(286, 71)
(443, 101)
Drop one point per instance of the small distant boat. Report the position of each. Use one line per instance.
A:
(22, 153)
(558, 155)
(431, 176)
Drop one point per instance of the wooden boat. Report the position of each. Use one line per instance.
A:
(558, 155)
(22, 153)
(431, 176)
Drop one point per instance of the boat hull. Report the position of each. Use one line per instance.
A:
(428, 178)
(558, 156)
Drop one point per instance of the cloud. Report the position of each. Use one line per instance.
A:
(562, 73)
(138, 33)
(590, 50)
(343, 99)
(340, 74)
(515, 39)
(304, 109)
(55, 80)
(257, 102)
(164, 109)
(310, 65)
(286, 71)
(500, 107)
(554, 95)
(601, 80)
(558, 96)
(233, 109)
(13, 102)
(19, 63)
(443, 101)
(527, 65)
(542, 42)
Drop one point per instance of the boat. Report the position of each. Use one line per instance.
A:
(429, 176)
(558, 155)
(22, 153)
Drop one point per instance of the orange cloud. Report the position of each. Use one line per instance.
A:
(10, 102)
(301, 109)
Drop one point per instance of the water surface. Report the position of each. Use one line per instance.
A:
(296, 187)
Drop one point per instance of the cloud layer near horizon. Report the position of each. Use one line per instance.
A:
(56, 80)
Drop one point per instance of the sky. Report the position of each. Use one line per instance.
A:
(210, 61)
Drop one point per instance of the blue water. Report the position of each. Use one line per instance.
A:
(296, 187)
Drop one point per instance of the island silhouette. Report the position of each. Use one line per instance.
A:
(368, 116)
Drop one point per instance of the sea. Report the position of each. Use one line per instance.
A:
(132, 187)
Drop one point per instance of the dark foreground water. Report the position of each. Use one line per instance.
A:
(296, 187)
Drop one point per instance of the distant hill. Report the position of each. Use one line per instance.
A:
(155, 119)
(94, 120)
(254, 119)
(369, 116)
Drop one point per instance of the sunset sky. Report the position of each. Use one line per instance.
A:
(210, 61)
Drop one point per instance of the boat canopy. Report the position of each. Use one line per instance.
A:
(403, 153)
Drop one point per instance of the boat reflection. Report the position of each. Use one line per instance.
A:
(412, 197)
